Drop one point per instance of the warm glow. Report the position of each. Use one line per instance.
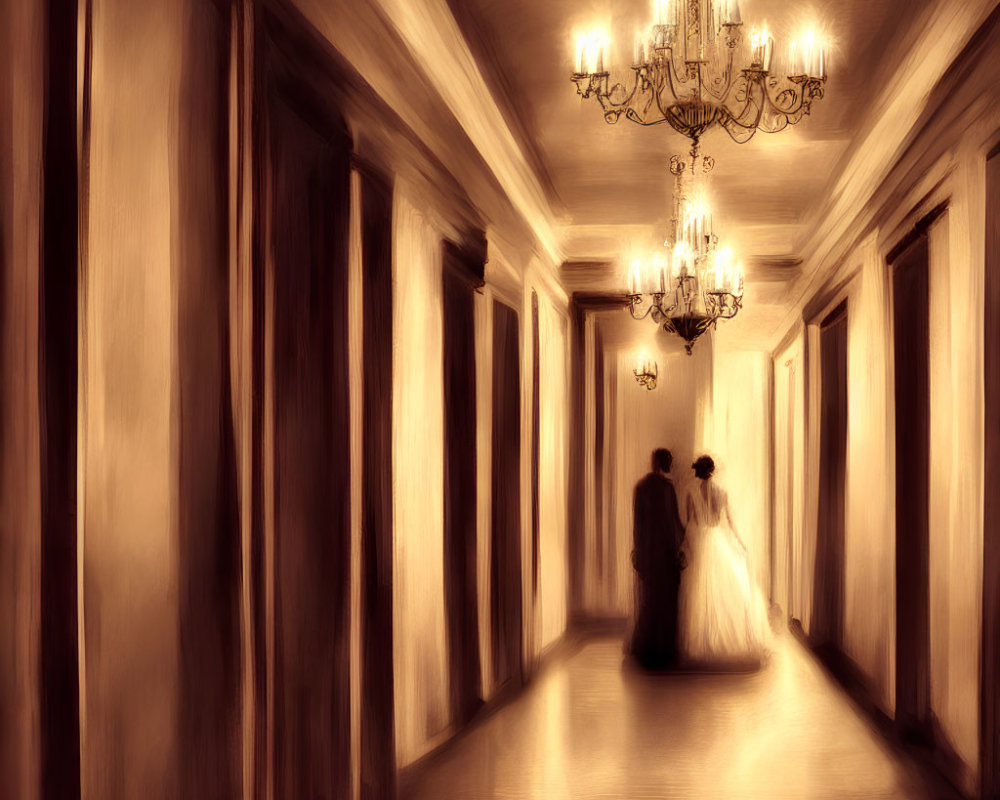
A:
(727, 272)
(706, 32)
(681, 258)
(662, 11)
(642, 362)
(761, 47)
(807, 55)
(590, 49)
(635, 277)
(696, 225)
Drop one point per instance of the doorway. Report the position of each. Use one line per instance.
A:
(784, 511)
(911, 345)
(307, 180)
(505, 558)
(377, 724)
(827, 627)
(462, 274)
(58, 341)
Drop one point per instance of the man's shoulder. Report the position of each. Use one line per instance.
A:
(653, 481)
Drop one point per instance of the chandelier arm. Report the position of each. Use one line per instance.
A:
(738, 132)
(643, 119)
(633, 116)
(748, 103)
(760, 104)
(613, 110)
(673, 79)
(635, 301)
(797, 105)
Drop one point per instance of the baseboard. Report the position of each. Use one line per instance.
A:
(936, 761)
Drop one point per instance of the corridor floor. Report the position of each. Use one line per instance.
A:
(593, 726)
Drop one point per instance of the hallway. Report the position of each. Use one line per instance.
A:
(363, 363)
(592, 726)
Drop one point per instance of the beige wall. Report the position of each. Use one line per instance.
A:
(129, 615)
(21, 75)
(944, 164)
(421, 660)
(643, 420)
(789, 484)
(421, 657)
(740, 443)
(869, 551)
(553, 328)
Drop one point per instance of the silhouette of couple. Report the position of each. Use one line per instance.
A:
(697, 605)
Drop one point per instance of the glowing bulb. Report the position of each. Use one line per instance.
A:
(590, 49)
(761, 44)
(635, 277)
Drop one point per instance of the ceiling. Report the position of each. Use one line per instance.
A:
(607, 184)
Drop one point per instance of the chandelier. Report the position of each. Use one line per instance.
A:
(696, 283)
(693, 69)
(645, 372)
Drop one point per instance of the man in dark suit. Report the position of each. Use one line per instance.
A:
(658, 534)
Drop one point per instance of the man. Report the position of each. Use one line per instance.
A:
(658, 535)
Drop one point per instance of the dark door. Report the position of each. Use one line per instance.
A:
(378, 730)
(57, 616)
(308, 171)
(911, 347)
(207, 494)
(991, 531)
(461, 274)
(505, 559)
(828, 601)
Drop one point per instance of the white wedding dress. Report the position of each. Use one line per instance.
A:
(722, 614)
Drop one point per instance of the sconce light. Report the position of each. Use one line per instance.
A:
(645, 372)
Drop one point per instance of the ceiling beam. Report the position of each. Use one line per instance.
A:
(434, 39)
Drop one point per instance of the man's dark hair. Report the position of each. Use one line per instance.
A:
(662, 459)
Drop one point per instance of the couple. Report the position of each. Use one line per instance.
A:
(697, 603)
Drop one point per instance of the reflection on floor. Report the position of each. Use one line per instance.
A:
(595, 727)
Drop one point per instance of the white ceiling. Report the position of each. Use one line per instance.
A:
(607, 184)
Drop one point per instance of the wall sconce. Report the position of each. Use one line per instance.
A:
(645, 372)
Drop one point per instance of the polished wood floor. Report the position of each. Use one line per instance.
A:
(593, 726)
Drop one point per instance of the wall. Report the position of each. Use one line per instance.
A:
(668, 416)
(553, 467)
(740, 443)
(130, 602)
(714, 401)
(869, 553)
(21, 76)
(789, 484)
(154, 409)
(943, 163)
(418, 469)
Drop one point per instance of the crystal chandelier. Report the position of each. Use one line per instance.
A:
(693, 69)
(645, 372)
(697, 283)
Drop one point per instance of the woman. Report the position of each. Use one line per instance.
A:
(723, 617)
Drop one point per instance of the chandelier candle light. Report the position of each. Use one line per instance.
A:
(705, 281)
(693, 69)
(645, 372)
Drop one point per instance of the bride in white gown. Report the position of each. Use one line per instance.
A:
(722, 614)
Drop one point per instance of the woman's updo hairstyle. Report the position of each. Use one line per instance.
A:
(704, 467)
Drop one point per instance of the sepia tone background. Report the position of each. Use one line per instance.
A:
(317, 427)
